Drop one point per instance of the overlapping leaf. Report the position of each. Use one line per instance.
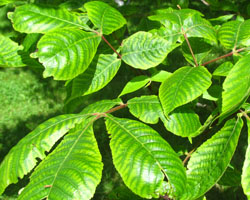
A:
(143, 159)
(9, 56)
(211, 159)
(160, 76)
(143, 50)
(31, 18)
(96, 76)
(183, 122)
(72, 171)
(236, 86)
(136, 83)
(234, 34)
(185, 21)
(22, 157)
(186, 84)
(223, 69)
(67, 53)
(104, 17)
(246, 167)
(146, 108)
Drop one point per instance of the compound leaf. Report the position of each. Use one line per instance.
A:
(143, 158)
(234, 34)
(67, 53)
(143, 50)
(22, 157)
(71, 171)
(104, 17)
(245, 179)
(186, 84)
(211, 159)
(236, 86)
(31, 18)
(9, 56)
(96, 76)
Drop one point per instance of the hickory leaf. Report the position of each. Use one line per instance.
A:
(59, 52)
(132, 141)
(183, 86)
(104, 17)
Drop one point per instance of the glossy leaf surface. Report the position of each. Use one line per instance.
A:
(72, 171)
(186, 84)
(67, 53)
(104, 17)
(246, 167)
(146, 108)
(143, 158)
(98, 75)
(234, 34)
(236, 86)
(136, 83)
(211, 159)
(9, 56)
(31, 18)
(183, 122)
(143, 50)
(22, 158)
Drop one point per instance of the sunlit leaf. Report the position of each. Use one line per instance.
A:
(143, 159)
(223, 69)
(67, 53)
(31, 18)
(234, 34)
(9, 56)
(97, 76)
(143, 50)
(236, 86)
(185, 85)
(104, 17)
(72, 171)
(211, 159)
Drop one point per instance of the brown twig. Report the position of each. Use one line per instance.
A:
(105, 40)
(189, 46)
(116, 108)
(224, 56)
(188, 156)
(245, 115)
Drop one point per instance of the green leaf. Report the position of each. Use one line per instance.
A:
(185, 21)
(213, 93)
(231, 177)
(185, 85)
(104, 17)
(245, 179)
(143, 50)
(183, 121)
(236, 87)
(71, 171)
(31, 18)
(223, 69)
(9, 56)
(234, 34)
(143, 159)
(136, 83)
(97, 76)
(211, 159)
(160, 76)
(5, 2)
(67, 53)
(146, 108)
(22, 158)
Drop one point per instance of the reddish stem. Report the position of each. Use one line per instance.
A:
(245, 115)
(116, 108)
(111, 46)
(190, 48)
(224, 56)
